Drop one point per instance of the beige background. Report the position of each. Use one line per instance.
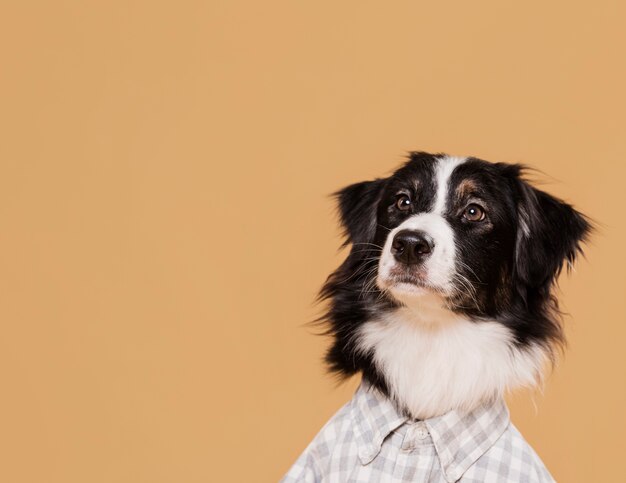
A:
(165, 225)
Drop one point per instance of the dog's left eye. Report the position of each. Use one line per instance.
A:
(474, 213)
(403, 202)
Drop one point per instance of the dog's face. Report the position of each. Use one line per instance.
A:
(471, 233)
(447, 226)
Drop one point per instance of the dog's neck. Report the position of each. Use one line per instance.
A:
(434, 360)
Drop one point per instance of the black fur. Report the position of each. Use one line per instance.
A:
(512, 260)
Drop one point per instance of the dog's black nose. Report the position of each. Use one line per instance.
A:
(411, 247)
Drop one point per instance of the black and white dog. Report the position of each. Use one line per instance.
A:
(448, 283)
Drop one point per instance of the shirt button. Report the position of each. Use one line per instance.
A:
(421, 432)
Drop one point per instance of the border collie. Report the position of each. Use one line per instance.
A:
(445, 301)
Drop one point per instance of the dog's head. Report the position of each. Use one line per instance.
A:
(472, 237)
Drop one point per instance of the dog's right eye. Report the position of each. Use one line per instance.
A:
(403, 202)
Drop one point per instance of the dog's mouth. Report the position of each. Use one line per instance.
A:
(410, 279)
(414, 276)
(404, 281)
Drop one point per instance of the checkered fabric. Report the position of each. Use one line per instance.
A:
(369, 441)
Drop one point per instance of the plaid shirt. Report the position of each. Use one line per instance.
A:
(369, 441)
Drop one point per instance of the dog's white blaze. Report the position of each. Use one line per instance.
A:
(445, 167)
(453, 364)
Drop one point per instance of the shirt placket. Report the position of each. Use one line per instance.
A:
(416, 455)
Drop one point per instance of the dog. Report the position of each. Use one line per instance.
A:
(444, 303)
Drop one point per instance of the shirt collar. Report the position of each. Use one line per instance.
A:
(460, 438)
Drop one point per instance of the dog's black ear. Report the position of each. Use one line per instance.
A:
(357, 205)
(550, 233)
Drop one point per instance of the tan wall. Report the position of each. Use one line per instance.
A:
(164, 171)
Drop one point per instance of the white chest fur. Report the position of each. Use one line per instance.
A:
(434, 361)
